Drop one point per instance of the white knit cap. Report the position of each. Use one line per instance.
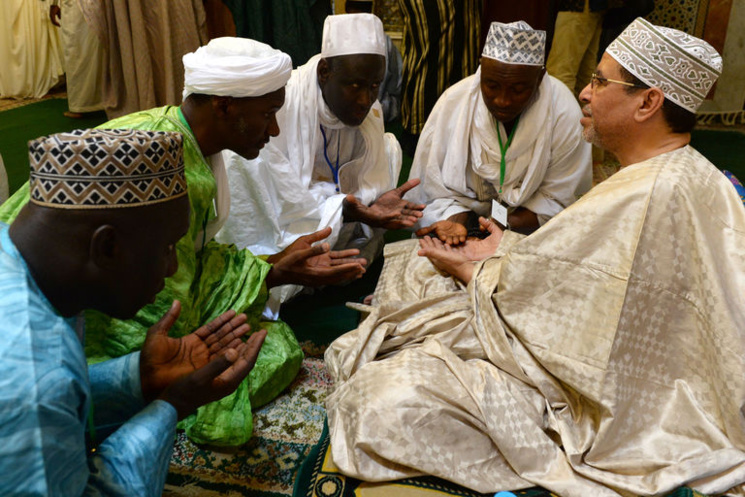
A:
(350, 34)
(515, 43)
(682, 66)
(235, 67)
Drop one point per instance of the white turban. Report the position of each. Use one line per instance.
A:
(352, 34)
(235, 67)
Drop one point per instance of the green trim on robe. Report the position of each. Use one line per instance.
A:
(218, 278)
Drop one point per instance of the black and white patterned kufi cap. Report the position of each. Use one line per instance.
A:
(682, 66)
(515, 43)
(106, 168)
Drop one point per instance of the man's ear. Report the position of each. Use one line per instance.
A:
(221, 105)
(323, 71)
(104, 249)
(650, 105)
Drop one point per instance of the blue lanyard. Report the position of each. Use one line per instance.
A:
(334, 170)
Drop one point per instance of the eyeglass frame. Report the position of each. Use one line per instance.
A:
(603, 81)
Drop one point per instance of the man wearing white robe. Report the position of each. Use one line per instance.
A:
(603, 354)
(332, 164)
(84, 58)
(509, 104)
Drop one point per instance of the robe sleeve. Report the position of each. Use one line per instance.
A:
(116, 391)
(134, 460)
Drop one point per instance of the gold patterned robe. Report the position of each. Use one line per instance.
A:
(603, 355)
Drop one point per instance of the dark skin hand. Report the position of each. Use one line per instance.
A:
(218, 378)
(389, 211)
(523, 221)
(303, 263)
(55, 13)
(164, 359)
(451, 231)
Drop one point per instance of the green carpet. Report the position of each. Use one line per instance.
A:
(19, 125)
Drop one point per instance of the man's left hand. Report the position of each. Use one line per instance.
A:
(389, 211)
(165, 359)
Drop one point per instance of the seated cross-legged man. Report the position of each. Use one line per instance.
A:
(233, 87)
(107, 210)
(602, 354)
(508, 134)
(332, 165)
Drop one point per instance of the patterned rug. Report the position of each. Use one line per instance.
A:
(284, 432)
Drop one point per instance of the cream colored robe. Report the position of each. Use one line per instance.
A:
(30, 50)
(603, 355)
(84, 60)
(145, 41)
(548, 164)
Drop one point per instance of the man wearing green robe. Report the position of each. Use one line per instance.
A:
(233, 88)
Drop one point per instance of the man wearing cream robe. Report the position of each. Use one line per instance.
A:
(603, 354)
(509, 98)
(291, 189)
(84, 58)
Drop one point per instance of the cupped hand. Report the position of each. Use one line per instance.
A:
(476, 249)
(218, 378)
(446, 258)
(303, 263)
(446, 231)
(164, 359)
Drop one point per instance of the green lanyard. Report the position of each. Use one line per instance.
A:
(503, 149)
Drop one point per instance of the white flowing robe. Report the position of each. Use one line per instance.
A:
(603, 355)
(279, 196)
(30, 50)
(548, 164)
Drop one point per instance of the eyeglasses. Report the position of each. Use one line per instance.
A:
(595, 80)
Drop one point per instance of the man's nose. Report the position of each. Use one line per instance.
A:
(273, 128)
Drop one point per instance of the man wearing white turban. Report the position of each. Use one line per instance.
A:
(506, 139)
(332, 165)
(233, 89)
(603, 354)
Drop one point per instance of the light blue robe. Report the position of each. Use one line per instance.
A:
(46, 390)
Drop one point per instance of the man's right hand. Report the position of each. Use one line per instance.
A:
(55, 13)
(303, 263)
(218, 378)
(449, 232)
(446, 258)
(476, 249)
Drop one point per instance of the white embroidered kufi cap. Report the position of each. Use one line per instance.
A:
(235, 67)
(350, 34)
(682, 66)
(515, 43)
(106, 168)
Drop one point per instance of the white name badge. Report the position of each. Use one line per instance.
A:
(499, 212)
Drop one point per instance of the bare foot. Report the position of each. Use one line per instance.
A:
(72, 115)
